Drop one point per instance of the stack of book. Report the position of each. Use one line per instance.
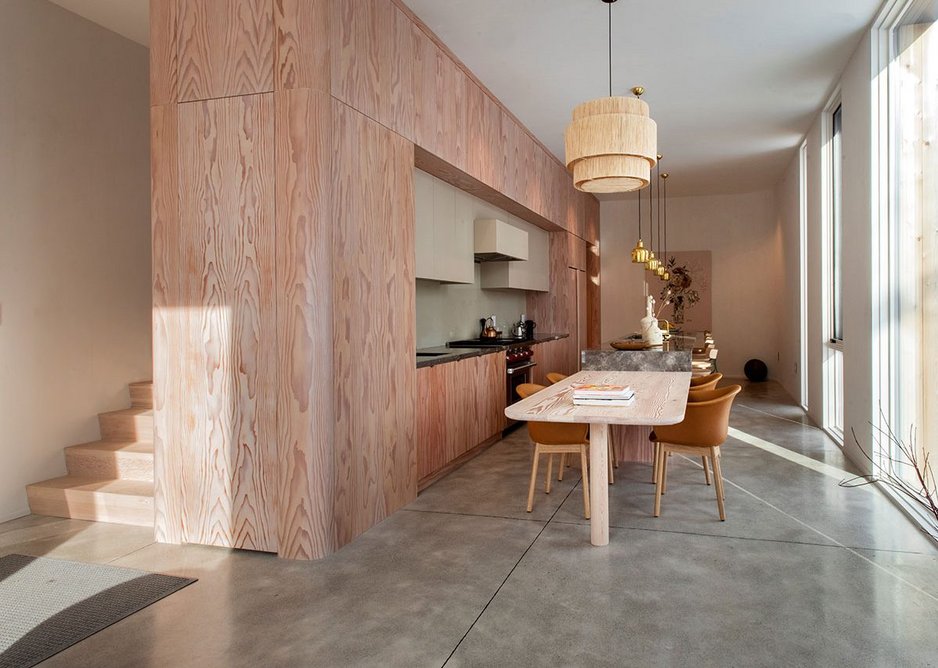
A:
(602, 395)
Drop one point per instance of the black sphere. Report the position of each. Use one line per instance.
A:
(756, 371)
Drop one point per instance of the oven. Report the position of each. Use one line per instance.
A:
(519, 369)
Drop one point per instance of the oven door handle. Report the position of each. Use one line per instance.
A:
(521, 367)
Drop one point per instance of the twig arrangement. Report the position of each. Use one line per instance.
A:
(922, 492)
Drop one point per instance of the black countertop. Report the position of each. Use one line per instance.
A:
(445, 354)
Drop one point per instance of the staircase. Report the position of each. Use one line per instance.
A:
(110, 480)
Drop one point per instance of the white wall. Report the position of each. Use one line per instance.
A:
(855, 94)
(742, 233)
(74, 235)
(788, 222)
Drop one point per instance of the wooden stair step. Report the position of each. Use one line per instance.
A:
(141, 394)
(111, 459)
(117, 501)
(128, 424)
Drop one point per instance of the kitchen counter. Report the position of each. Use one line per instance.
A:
(444, 354)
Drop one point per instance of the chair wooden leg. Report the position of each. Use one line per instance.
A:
(610, 459)
(563, 464)
(665, 456)
(706, 469)
(586, 484)
(655, 464)
(537, 455)
(718, 478)
(659, 470)
(550, 467)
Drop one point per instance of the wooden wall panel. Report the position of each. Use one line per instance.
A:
(169, 325)
(593, 287)
(305, 423)
(225, 48)
(374, 337)
(302, 55)
(227, 224)
(163, 52)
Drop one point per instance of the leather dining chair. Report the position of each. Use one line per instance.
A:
(556, 438)
(700, 434)
(707, 382)
(555, 377)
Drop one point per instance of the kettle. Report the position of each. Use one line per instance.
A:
(488, 329)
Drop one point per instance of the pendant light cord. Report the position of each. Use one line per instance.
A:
(610, 49)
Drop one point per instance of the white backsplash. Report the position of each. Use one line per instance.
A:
(449, 312)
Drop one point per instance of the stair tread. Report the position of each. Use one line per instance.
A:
(106, 486)
(133, 447)
(143, 411)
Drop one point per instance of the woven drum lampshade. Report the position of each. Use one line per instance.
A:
(611, 144)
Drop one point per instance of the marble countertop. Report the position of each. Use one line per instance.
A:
(444, 354)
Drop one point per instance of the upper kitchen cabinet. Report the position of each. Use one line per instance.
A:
(444, 232)
(532, 274)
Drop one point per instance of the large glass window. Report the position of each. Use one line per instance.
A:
(837, 225)
(834, 355)
(908, 237)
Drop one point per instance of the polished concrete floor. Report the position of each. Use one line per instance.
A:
(802, 573)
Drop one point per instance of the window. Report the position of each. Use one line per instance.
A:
(837, 226)
(803, 269)
(906, 271)
(833, 369)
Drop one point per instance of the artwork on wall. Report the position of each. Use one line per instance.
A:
(690, 285)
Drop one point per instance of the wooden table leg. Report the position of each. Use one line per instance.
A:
(599, 484)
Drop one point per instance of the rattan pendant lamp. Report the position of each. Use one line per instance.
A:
(611, 143)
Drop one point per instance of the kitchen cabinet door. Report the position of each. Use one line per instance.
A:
(443, 243)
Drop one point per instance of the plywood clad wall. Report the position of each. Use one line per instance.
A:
(305, 425)
(225, 48)
(226, 204)
(283, 136)
(374, 338)
(169, 325)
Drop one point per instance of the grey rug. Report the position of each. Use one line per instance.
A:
(47, 605)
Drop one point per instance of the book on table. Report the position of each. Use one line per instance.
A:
(592, 391)
(606, 403)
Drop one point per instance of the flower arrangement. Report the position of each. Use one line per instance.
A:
(678, 290)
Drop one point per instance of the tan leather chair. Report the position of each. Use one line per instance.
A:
(707, 382)
(701, 433)
(556, 438)
(555, 378)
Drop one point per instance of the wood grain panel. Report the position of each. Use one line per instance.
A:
(169, 326)
(227, 222)
(593, 288)
(441, 97)
(163, 52)
(305, 423)
(431, 431)
(225, 48)
(483, 156)
(303, 44)
(373, 334)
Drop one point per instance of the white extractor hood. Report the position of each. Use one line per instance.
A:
(498, 241)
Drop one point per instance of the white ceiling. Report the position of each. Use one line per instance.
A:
(732, 84)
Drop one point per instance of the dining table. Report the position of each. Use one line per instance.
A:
(660, 399)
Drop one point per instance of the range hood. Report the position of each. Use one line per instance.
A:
(498, 241)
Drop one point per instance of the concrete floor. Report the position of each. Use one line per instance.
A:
(803, 572)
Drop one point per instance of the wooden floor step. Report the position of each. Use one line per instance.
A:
(118, 501)
(141, 394)
(129, 424)
(111, 459)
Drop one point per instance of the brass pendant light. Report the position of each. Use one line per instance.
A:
(651, 264)
(639, 253)
(665, 274)
(663, 260)
(611, 142)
